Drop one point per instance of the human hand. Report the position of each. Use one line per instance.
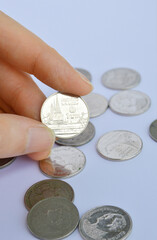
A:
(23, 53)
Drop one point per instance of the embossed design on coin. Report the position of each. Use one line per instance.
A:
(81, 139)
(106, 222)
(129, 103)
(153, 130)
(121, 78)
(53, 218)
(4, 162)
(67, 115)
(97, 104)
(119, 145)
(45, 189)
(86, 73)
(64, 162)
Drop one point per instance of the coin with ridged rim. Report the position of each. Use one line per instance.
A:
(4, 162)
(67, 115)
(105, 222)
(121, 78)
(53, 218)
(153, 130)
(97, 104)
(129, 103)
(83, 138)
(45, 189)
(86, 73)
(64, 162)
(119, 145)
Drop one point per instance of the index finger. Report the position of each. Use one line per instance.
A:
(27, 52)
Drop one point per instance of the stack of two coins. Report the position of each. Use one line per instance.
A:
(52, 215)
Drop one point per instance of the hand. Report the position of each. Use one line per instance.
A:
(23, 53)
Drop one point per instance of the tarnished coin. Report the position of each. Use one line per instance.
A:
(67, 115)
(121, 78)
(45, 189)
(86, 73)
(53, 218)
(4, 162)
(81, 139)
(64, 162)
(129, 103)
(153, 130)
(97, 104)
(119, 145)
(106, 222)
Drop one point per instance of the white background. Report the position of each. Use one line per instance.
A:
(98, 36)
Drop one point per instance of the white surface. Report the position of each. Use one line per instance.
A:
(98, 36)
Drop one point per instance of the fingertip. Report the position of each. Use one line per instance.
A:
(40, 155)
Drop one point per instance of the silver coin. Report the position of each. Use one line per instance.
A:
(63, 162)
(106, 222)
(4, 162)
(52, 218)
(119, 145)
(129, 103)
(87, 135)
(67, 115)
(86, 73)
(153, 130)
(121, 79)
(97, 104)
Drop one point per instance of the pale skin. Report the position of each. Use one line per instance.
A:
(22, 53)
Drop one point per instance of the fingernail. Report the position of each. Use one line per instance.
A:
(85, 79)
(40, 139)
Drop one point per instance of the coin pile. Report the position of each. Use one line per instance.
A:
(68, 116)
(52, 215)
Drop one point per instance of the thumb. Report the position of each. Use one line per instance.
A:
(20, 135)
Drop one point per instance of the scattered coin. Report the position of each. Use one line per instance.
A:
(153, 130)
(97, 104)
(67, 115)
(85, 73)
(45, 189)
(4, 162)
(81, 139)
(119, 145)
(121, 78)
(52, 218)
(106, 222)
(129, 103)
(64, 162)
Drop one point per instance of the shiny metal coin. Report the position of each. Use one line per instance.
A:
(85, 73)
(63, 162)
(153, 130)
(121, 79)
(53, 218)
(97, 104)
(4, 162)
(119, 145)
(67, 115)
(129, 103)
(45, 189)
(106, 222)
(87, 135)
